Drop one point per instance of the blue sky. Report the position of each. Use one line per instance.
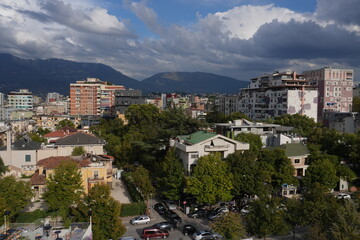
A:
(236, 38)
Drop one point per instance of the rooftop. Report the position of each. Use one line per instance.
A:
(197, 137)
(295, 149)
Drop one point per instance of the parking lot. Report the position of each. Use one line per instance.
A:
(136, 230)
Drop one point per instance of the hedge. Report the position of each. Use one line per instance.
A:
(132, 209)
(133, 192)
(29, 217)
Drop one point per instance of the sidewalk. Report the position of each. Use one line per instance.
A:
(119, 191)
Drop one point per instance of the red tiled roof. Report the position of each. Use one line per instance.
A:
(53, 162)
(38, 179)
(58, 133)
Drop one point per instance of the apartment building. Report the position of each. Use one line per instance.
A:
(93, 97)
(335, 89)
(226, 104)
(125, 98)
(276, 94)
(23, 99)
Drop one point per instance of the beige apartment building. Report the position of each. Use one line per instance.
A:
(93, 97)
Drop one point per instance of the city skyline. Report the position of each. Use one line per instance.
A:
(238, 38)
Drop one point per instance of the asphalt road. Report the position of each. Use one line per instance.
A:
(136, 230)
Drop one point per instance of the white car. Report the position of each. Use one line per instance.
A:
(343, 196)
(205, 235)
(143, 219)
(170, 204)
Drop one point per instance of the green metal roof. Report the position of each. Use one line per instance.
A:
(197, 137)
(295, 149)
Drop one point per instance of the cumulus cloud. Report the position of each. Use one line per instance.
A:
(343, 12)
(242, 42)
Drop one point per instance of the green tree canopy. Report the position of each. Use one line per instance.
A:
(303, 124)
(279, 166)
(211, 180)
(64, 188)
(266, 218)
(172, 179)
(253, 139)
(14, 195)
(248, 177)
(321, 171)
(64, 123)
(141, 179)
(78, 151)
(230, 226)
(105, 213)
(347, 223)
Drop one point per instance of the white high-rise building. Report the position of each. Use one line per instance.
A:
(23, 99)
(276, 94)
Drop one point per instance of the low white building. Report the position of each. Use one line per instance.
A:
(193, 146)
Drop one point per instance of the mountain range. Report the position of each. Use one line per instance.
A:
(55, 75)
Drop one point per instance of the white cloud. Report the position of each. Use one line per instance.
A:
(244, 21)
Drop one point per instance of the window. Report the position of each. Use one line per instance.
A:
(96, 174)
(27, 158)
(297, 161)
(194, 155)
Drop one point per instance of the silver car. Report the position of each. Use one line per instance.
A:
(143, 219)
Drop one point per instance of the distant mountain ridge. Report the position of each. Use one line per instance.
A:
(55, 75)
(193, 82)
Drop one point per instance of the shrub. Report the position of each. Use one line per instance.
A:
(29, 217)
(132, 209)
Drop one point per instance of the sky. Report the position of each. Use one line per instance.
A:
(236, 38)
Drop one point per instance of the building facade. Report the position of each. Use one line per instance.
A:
(226, 104)
(93, 97)
(193, 146)
(335, 89)
(125, 98)
(23, 99)
(276, 94)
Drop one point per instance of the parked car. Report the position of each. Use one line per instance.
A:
(189, 230)
(198, 213)
(170, 204)
(217, 212)
(343, 196)
(171, 216)
(152, 232)
(160, 208)
(205, 235)
(143, 219)
(168, 226)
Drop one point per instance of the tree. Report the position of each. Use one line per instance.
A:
(347, 223)
(230, 226)
(142, 181)
(248, 177)
(294, 214)
(278, 166)
(14, 196)
(3, 168)
(172, 179)
(302, 124)
(266, 218)
(211, 181)
(356, 104)
(253, 139)
(78, 151)
(65, 123)
(64, 188)
(105, 213)
(321, 171)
